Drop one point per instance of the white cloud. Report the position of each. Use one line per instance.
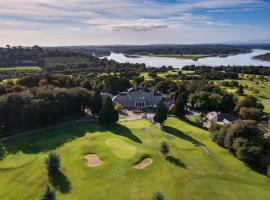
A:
(132, 18)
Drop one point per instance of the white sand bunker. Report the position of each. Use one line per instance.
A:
(93, 160)
(144, 163)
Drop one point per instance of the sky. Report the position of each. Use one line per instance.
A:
(108, 22)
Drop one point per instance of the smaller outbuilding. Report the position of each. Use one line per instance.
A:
(217, 117)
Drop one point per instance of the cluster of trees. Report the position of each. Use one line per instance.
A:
(199, 94)
(20, 56)
(245, 140)
(178, 49)
(205, 96)
(249, 108)
(42, 106)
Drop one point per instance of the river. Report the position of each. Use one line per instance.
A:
(237, 60)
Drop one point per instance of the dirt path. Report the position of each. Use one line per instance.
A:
(26, 133)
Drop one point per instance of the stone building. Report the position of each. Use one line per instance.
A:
(140, 98)
(216, 117)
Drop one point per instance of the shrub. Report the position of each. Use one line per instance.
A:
(164, 148)
(48, 193)
(158, 196)
(52, 162)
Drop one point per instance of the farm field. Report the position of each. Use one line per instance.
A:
(198, 168)
(22, 68)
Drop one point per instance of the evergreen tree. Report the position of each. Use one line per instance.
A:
(48, 193)
(180, 106)
(161, 113)
(52, 162)
(164, 148)
(158, 196)
(108, 114)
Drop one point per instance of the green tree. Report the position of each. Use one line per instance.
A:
(251, 113)
(48, 193)
(158, 196)
(52, 162)
(180, 106)
(161, 112)
(240, 90)
(108, 114)
(164, 148)
(245, 140)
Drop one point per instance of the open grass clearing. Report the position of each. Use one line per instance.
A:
(190, 173)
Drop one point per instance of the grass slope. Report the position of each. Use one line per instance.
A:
(190, 174)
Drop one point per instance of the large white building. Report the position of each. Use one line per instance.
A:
(140, 98)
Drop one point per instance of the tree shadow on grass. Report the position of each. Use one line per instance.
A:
(175, 161)
(121, 130)
(44, 141)
(180, 134)
(60, 182)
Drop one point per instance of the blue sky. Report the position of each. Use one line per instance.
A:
(86, 22)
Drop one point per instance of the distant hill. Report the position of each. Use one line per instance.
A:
(264, 41)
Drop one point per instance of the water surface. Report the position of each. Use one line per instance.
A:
(237, 60)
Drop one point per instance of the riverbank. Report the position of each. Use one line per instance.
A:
(263, 57)
(246, 59)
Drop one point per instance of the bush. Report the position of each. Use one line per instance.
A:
(158, 196)
(250, 113)
(164, 148)
(48, 193)
(52, 162)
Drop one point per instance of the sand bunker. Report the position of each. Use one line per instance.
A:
(144, 163)
(93, 160)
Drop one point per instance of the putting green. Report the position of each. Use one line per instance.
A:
(121, 148)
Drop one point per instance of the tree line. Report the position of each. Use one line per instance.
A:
(43, 106)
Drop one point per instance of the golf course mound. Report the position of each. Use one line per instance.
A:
(121, 148)
(93, 160)
(143, 163)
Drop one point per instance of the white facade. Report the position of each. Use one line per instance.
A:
(139, 98)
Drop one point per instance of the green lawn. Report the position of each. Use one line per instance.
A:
(51, 61)
(22, 68)
(197, 175)
(163, 75)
